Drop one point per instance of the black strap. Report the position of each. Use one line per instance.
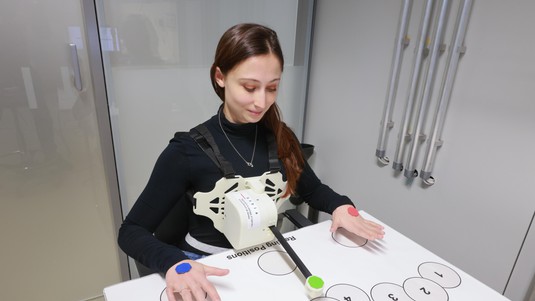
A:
(206, 142)
(274, 165)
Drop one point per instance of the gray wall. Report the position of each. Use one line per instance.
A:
(477, 214)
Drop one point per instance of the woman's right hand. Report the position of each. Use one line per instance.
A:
(193, 285)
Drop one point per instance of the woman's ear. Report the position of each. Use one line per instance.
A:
(219, 77)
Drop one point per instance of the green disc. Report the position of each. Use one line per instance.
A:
(315, 282)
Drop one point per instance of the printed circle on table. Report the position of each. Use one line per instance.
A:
(346, 292)
(389, 292)
(439, 273)
(348, 239)
(277, 263)
(422, 289)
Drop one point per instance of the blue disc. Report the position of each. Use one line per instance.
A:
(183, 268)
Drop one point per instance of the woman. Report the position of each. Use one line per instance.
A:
(246, 73)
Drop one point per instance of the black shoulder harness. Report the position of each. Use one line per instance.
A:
(206, 142)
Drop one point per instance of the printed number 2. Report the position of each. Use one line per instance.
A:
(425, 291)
(347, 298)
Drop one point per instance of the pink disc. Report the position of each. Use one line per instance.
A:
(353, 211)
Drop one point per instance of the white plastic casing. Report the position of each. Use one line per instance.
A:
(248, 216)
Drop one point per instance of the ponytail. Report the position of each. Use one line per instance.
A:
(288, 148)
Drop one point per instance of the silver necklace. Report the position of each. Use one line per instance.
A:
(249, 163)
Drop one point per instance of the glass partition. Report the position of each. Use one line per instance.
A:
(58, 223)
(157, 56)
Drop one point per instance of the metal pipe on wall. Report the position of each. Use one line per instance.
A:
(457, 48)
(417, 67)
(401, 42)
(410, 170)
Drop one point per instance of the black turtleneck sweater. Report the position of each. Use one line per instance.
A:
(183, 165)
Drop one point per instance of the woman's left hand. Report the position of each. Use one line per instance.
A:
(356, 224)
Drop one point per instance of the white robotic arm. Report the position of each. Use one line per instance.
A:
(243, 209)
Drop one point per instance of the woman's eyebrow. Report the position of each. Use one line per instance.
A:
(255, 80)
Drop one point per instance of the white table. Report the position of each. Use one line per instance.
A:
(392, 269)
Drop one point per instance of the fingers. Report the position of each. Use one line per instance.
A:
(170, 294)
(373, 231)
(334, 226)
(211, 291)
(365, 229)
(202, 288)
(195, 291)
(207, 286)
(186, 294)
(192, 285)
(342, 217)
(213, 271)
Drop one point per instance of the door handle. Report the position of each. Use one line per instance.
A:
(76, 67)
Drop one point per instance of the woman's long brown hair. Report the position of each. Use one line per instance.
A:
(237, 44)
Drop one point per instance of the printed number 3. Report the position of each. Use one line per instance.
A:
(391, 296)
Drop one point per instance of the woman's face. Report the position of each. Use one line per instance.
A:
(251, 88)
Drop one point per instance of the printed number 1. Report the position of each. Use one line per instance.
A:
(441, 276)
